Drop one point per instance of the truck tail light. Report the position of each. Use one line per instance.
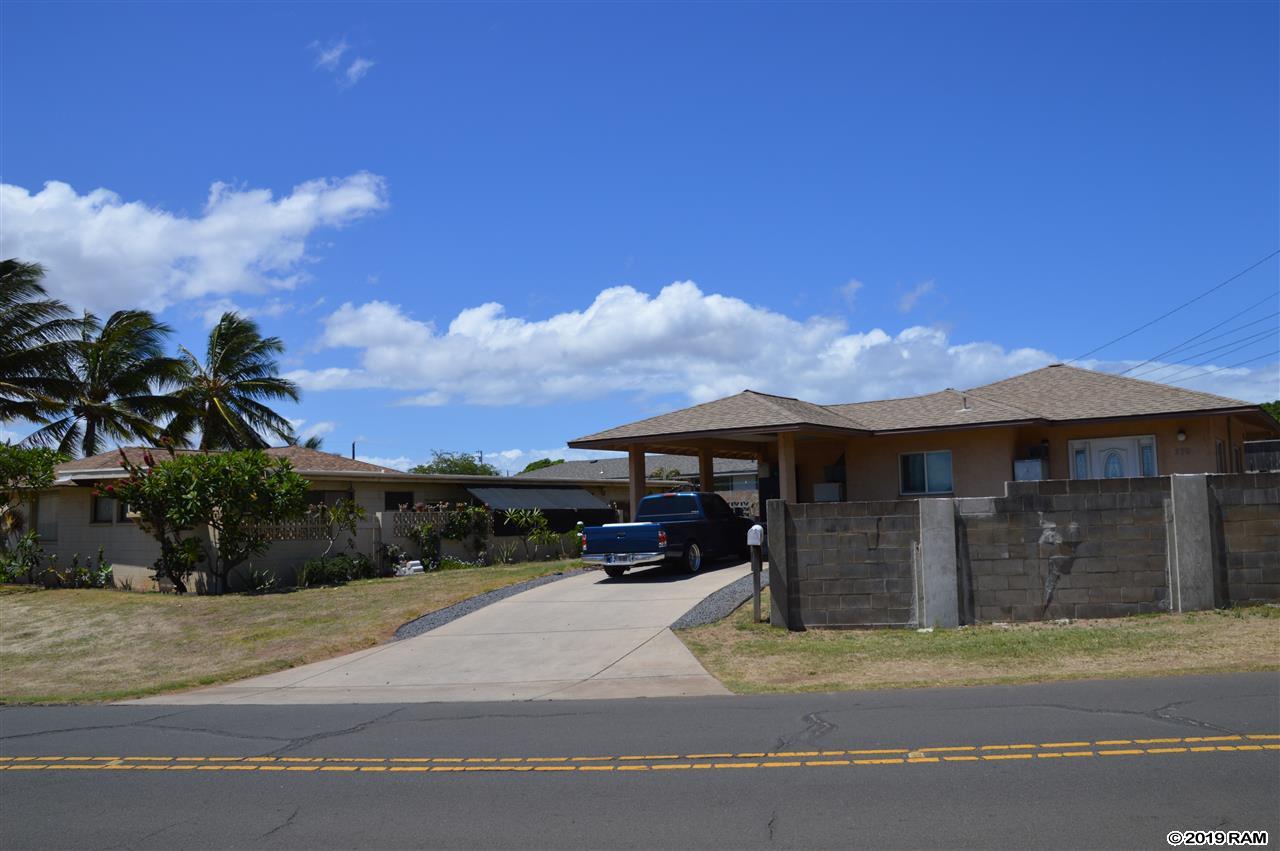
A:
(583, 538)
(662, 537)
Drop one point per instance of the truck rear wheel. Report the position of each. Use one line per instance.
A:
(692, 557)
(615, 572)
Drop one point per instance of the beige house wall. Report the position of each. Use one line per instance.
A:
(982, 458)
(67, 530)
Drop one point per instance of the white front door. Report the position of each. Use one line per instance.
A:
(1114, 459)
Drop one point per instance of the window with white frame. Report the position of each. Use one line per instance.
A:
(1113, 457)
(925, 472)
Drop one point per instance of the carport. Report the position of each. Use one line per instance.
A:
(750, 425)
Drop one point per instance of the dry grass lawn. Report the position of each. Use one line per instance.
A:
(753, 658)
(86, 645)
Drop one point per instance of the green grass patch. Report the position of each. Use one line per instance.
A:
(88, 645)
(751, 657)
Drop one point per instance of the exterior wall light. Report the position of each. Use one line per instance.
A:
(1182, 435)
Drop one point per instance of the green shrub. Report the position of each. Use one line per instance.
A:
(451, 563)
(337, 570)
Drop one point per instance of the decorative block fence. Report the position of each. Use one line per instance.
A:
(1045, 550)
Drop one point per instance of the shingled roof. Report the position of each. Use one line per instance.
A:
(304, 460)
(606, 469)
(1056, 393)
(746, 411)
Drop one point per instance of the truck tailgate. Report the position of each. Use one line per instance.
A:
(623, 538)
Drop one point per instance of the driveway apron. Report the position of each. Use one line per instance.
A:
(582, 637)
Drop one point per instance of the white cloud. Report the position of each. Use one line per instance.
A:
(319, 429)
(680, 341)
(356, 70)
(850, 292)
(912, 297)
(211, 312)
(104, 253)
(329, 55)
(400, 462)
(515, 460)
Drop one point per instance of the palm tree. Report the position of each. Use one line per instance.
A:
(223, 397)
(315, 442)
(115, 376)
(35, 334)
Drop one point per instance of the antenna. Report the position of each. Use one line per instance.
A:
(353, 450)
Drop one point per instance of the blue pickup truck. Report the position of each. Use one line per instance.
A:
(684, 528)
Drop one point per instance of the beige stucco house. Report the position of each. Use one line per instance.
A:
(1059, 422)
(72, 520)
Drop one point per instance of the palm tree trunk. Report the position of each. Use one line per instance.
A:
(88, 446)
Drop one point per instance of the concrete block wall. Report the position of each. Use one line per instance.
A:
(1064, 549)
(852, 563)
(1044, 550)
(1248, 507)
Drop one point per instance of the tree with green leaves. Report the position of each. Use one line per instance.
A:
(1272, 408)
(225, 397)
(342, 516)
(456, 464)
(24, 470)
(237, 495)
(35, 333)
(541, 464)
(116, 375)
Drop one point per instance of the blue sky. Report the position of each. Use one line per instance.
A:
(836, 201)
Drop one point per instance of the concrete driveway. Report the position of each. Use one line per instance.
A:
(582, 637)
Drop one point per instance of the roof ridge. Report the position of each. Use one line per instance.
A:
(1121, 379)
(770, 398)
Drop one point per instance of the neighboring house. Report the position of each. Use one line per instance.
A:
(71, 519)
(1059, 422)
(731, 474)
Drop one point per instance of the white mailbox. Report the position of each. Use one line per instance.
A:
(755, 536)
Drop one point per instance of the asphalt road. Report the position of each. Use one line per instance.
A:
(1114, 764)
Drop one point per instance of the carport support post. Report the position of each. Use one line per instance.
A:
(706, 471)
(787, 467)
(637, 475)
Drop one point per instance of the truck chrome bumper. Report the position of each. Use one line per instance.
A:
(627, 559)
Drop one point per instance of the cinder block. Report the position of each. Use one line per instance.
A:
(1011, 598)
(991, 582)
(1137, 595)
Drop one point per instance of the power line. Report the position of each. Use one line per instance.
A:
(1187, 357)
(1189, 340)
(1229, 366)
(1185, 304)
(1254, 339)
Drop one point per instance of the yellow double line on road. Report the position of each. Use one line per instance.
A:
(1244, 743)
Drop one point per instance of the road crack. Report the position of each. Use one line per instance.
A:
(286, 823)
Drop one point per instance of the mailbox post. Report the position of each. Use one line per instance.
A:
(755, 543)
